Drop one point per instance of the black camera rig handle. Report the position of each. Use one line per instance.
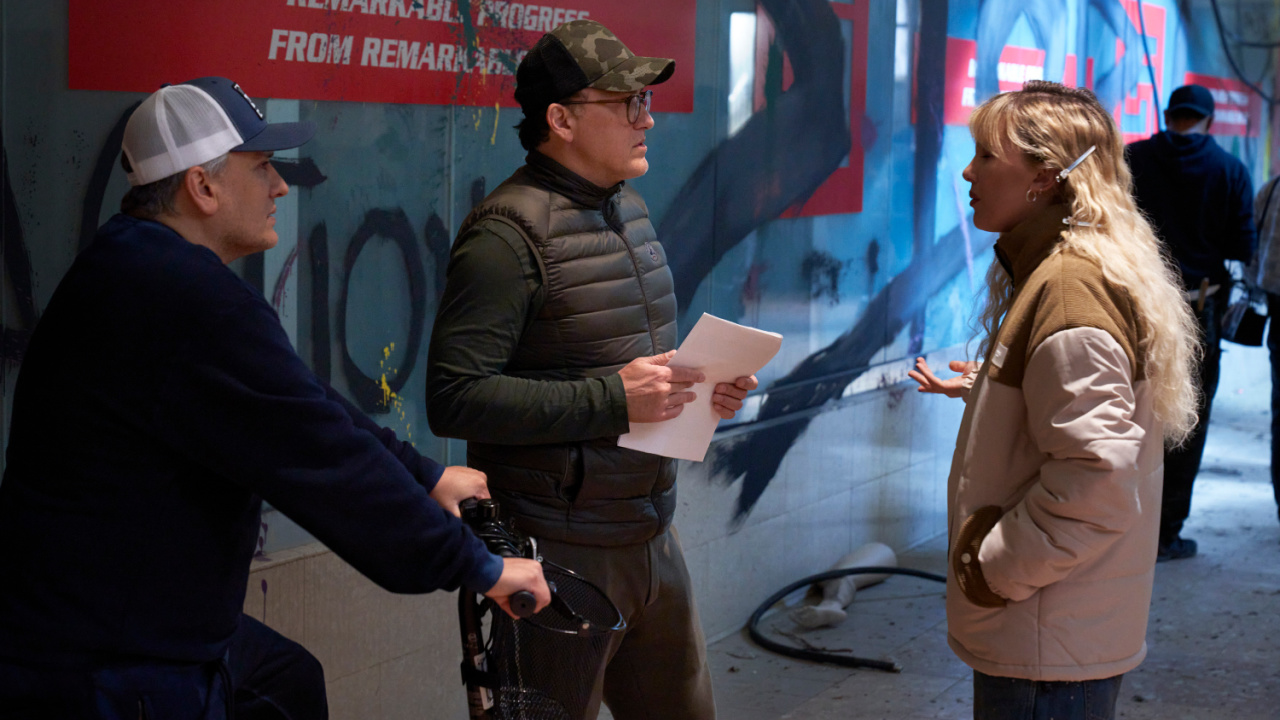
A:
(498, 670)
(482, 517)
(523, 603)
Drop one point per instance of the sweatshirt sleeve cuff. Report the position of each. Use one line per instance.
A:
(429, 473)
(486, 574)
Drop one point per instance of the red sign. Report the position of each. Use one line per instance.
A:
(841, 192)
(435, 52)
(1017, 66)
(1237, 109)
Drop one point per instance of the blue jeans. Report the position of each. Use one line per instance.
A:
(1002, 698)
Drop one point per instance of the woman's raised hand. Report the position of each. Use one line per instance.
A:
(954, 387)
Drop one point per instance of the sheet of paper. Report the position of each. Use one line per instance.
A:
(723, 351)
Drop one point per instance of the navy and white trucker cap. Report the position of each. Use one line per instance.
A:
(181, 126)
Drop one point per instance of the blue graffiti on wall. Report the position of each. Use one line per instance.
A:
(737, 188)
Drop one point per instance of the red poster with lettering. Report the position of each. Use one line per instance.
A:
(841, 192)
(385, 51)
(1237, 109)
(1017, 65)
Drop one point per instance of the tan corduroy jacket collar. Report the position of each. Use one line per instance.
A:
(1022, 249)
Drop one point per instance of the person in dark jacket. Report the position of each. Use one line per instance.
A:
(1263, 275)
(554, 334)
(159, 400)
(1199, 199)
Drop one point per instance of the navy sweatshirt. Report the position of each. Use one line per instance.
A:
(1199, 199)
(159, 399)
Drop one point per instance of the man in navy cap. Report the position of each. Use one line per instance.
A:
(158, 401)
(1199, 199)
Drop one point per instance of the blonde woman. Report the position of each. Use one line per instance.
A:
(1054, 493)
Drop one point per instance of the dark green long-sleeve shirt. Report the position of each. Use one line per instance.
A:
(494, 290)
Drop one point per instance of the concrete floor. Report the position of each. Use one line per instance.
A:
(1212, 637)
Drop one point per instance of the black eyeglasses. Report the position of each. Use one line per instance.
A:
(641, 100)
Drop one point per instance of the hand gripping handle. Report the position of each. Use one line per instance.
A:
(523, 603)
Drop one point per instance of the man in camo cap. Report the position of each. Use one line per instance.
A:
(554, 334)
(582, 54)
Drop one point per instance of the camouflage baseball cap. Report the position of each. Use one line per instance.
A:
(582, 54)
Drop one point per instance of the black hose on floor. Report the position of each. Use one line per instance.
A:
(814, 655)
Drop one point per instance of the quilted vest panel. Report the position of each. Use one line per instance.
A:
(609, 298)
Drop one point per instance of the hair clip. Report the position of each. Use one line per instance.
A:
(1075, 223)
(1063, 175)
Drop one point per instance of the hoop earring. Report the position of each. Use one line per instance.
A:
(1032, 196)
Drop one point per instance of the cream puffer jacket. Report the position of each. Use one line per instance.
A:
(1054, 494)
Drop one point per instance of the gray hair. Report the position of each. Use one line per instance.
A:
(157, 198)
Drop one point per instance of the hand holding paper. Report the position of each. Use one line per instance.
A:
(727, 400)
(721, 352)
(655, 390)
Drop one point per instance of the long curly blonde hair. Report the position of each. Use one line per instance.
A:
(1053, 125)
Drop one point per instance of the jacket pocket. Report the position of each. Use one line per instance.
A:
(964, 557)
(573, 475)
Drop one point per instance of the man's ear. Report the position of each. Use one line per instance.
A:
(199, 187)
(561, 121)
(1208, 124)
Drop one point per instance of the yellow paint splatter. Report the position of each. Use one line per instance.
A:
(386, 390)
(479, 117)
(390, 398)
(494, 140)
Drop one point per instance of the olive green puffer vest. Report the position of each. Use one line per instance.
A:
(608, 298)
